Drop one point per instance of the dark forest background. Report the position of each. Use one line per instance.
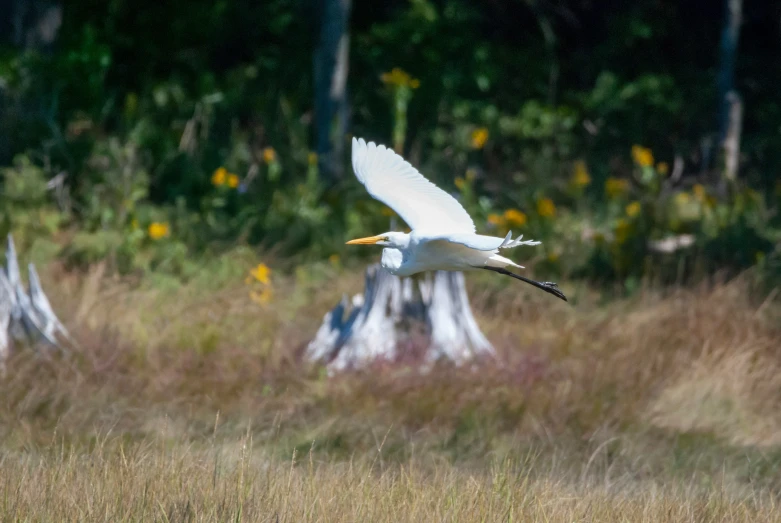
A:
(634, 138)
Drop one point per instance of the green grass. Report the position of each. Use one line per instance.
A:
(189, 403)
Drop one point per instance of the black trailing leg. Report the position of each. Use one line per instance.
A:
(547, 286)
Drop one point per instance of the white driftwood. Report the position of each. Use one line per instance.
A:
(455, 334)
(7, 302)
(25, 317)
(390, 308)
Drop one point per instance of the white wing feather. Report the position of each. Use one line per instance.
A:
(393, 181)
(485, 243)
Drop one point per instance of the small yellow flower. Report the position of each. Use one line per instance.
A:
(682, 198)
(580, 176)
(546, 208)
(334, 259)
(662, 168)
(642, 156)
(219, 176)
(615, 187)
(699, 192)
(460, 183)
(261, 273)
(269, 154)
(233, 181)
(633, 209)
(263, 297)
(479, 137)
(399, 78)
(312, 159)
(515, 217)
(495, 219)
(158, 230)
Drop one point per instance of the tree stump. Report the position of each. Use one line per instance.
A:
(393, 313)
(26, 317)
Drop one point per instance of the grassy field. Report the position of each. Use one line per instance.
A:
(189, 403)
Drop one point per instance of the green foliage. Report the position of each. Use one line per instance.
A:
(184, 129)
(25, 207)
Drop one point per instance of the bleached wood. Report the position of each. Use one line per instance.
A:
(375, 326)
(26, 317)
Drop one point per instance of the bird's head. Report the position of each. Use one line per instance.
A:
(396, 240)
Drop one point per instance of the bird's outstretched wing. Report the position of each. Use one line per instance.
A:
(393, 181)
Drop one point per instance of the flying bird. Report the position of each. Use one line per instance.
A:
(443, 236)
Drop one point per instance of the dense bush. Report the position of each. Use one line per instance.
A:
(159, 130)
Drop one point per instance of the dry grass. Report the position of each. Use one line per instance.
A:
(189, 404)
(234, 483)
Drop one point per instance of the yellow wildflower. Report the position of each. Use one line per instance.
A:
(479, 137)
(699, 191)
(682, 198)
(515, 217)
(233, 181)
(269, 154)
(642, 156)
(312, 159)
(546, 208)
(158, 230)
(580, 176)
(495, 219)
(460, 183)
(399, 78)
(662, 168)
(615, 187)
(262, 297)
(261, 273)
(219, 176)
(633, 209)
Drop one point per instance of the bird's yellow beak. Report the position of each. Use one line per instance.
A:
(371, 240)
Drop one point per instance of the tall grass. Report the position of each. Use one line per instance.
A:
(189, 403)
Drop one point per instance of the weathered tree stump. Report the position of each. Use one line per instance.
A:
(26, 317)
(393, 313)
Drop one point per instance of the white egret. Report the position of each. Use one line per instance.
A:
(443, 235)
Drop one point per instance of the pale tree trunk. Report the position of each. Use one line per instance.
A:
(26, 316)
(331, 65)
(401, 320)
(730, 105)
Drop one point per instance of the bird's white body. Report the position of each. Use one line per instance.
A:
(421, 251)
(443, 235)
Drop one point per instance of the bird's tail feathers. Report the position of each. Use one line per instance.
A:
(501, 262)
(509, 243)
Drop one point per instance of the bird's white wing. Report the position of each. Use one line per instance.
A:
(393, 181)
(484, 243)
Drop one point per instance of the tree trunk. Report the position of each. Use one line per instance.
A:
(733, 16)
(25, 316)
(401, 320)
(331, 64)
